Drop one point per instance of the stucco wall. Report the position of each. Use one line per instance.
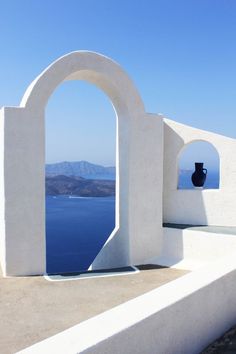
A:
(183, 316)
(24, 197)
(2, 194)
(138, 232)
(189, 249)
(207, 207)
(144, 232)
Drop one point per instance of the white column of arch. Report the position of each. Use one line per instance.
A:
(137, 237)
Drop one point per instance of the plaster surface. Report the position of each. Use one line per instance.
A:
(195, 247)
(183, 316)
(198, 207)
(2, 196)
(138, 232)
(33, 308)
(148, 149)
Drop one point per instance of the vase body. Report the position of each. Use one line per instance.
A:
(199, 175)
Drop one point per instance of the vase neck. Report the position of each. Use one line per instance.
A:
(198, 165)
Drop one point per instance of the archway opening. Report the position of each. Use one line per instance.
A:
(195, 152)
(80, 175)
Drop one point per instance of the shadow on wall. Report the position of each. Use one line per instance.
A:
(173, 246)
(179, 206)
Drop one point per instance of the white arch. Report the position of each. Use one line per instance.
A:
(92, 67)
(138, 217)
(185, 146)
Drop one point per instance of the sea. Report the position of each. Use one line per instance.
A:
(77, 227)
(185, 182)
(76, 230)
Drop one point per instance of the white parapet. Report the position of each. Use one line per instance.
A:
(192, 249)
(183, 316)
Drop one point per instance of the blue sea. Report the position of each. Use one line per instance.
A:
(77, 228)
(185, 182)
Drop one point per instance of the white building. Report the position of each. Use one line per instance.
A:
(148, 149)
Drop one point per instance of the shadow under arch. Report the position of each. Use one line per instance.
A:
(211, 158)
(110, 78)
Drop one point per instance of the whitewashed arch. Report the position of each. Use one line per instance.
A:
(185, 147)
(23, 248)
(92, 67)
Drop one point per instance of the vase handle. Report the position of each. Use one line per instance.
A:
(204, 169)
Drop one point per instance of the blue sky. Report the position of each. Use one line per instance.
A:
(180, 54)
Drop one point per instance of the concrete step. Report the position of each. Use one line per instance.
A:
(191, 247)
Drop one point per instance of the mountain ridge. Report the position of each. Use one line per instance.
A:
(79, 186)
(81, 168)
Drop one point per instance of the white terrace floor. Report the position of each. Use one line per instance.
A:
(33, 308)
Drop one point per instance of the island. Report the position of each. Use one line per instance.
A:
(79, 186)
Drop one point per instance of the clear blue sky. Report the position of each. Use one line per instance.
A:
(181, 55)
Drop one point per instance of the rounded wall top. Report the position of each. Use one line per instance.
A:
(92, 67)
(194, 141)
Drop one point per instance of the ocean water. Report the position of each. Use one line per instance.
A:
(212, 180)
(77, 228)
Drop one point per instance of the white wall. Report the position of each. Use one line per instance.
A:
(138, 232)
(145, 197)
(140, 159)
(192, 249)
(212, 207)
(2, 194)
(183, 316)
(24, 198)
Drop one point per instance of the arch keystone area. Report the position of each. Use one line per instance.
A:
(84, 65)
(137, 235)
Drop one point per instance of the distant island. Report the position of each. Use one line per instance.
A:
(79, 186)
(80, 178)
(85, 179)
(83, 169)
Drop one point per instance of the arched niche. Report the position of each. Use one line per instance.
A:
(198, 151)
